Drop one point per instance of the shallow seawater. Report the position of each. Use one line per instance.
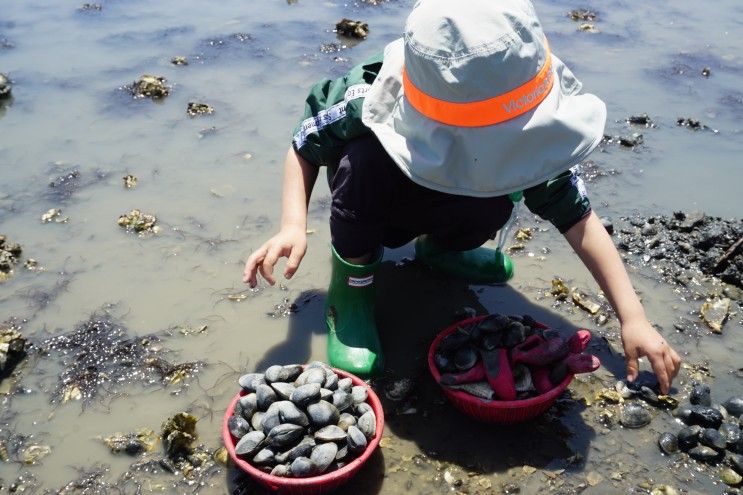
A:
(214, 184)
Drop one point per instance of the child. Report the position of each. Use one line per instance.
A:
(427, 141)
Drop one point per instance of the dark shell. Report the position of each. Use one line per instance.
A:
(281, 470)
(311, 375)
(700, 395)
(323, 413)
(493, 323)
(633, 415)
(356, 440)
(465, 358)
(271, 419)
(491, 341)
(303, 467)
(713, 438)
(302, 449)
(731, 432)
(689, 437)
(285, 435)
(454, 341)
(683, 413)
(345, 384)
(323, 455)
(256, 420)
(359, 394)
(705, 454)
(734, 406)
(330, 433)
(362, 408)
(514, 334)
(707, 417)
(326, 394)
(346, 420)
(238, 426)
(265, 396)
(342, 400)
(648, 395)
(443, 362)
(331, 381)
(250, 443)
(289, 413)
(249, 405)
(736, 462)
(668, 443)
(367, 423)
(304, 394)
(283, 390)
(250, 381)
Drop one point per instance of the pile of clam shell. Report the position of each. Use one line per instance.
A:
(712, 433)
(301, 421)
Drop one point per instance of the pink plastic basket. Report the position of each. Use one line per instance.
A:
(316, 484)
(503, 412)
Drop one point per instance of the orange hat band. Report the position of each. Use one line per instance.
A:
(484, 112)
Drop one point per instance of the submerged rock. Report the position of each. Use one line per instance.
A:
(194, 109)
(149, 86)
(352, 29)
(179, 60)
(130, 181)
(143, 440)
(10, 254)
(5, 86)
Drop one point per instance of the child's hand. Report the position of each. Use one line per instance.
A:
(641, 339)
(290, 242)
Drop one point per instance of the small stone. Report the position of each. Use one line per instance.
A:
(706, 72)
(352, 29)
(179, 60)
(730, 477)
(130, 181)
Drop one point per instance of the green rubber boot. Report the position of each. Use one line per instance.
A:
(353, 342)
(483, 265)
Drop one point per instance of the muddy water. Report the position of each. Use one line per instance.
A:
(213, 183)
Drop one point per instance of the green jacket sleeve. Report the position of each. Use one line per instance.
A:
(562, 200)
(332, 114)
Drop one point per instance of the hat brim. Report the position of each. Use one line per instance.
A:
(490, 160)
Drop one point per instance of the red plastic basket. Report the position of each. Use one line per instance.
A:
(316, 484)
(504, 411)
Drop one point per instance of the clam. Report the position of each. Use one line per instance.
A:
(326, 394)
(707, 417)
(356, 440)
(273, 374)
(256, 420)
(454, 341)
(342, 400)
(689, 437)
(731, 432)
(285, 435)
(331, 381)
(443, 362)
(265, 456)
(736, 462)
(289, 413)
(323, 454)
(494, 323)
(345, 384)
(249, 405)
(668, 443)
(250, 443)
(734, 406)
(465, 358)
(323, 413)
(633, 415)
(700, 395)
(367, 423)
(265, 396)
(304, 394)
(271, 419)
(249, 382)
(283, 390)
(705, 454)
(514, 334)
(359, 394)
(238, 426)
(346, 420)
(281, 470)
(362, 408)
(713, 438)
(302, 467)
(311, 375)
(343, 453)
(302, 449)
(330, 433)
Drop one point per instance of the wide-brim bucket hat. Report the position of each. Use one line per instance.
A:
(472, 102)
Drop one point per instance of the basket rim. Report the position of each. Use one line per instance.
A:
(346, 471)
(464, 397)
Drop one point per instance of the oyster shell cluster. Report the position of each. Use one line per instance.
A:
(301, 421)
(712, 433)
(5, 86)
(352, 29)
(149, 86)
(509, 357)
(136, 221)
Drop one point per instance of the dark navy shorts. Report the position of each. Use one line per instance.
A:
(374, 203)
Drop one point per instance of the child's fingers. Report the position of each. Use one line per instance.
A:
(659, 367)
(251, 266)
(266, 268)
(295, 258)
(633, 367)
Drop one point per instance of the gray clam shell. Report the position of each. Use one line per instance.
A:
(250, 443)
(302, 449)
(248, 404)
(346, 420)
(289, 413)
(331, 381)
(345, 384)
(250, 381)
(356, 440)
(271, 419)
(238, 426)
(322, 455)
(283, 390)
(330, 433)
(256, 420)
(362, 408)
(323, 413)
(265, 396)
(303, 467)
(285, 435)
(634, 415)
(342, 400)
(311, 375)
(367, 423)
(273, 373)
(281, 470)
(265, 457)
(326, 394)
(304, 394)
(359, 394)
